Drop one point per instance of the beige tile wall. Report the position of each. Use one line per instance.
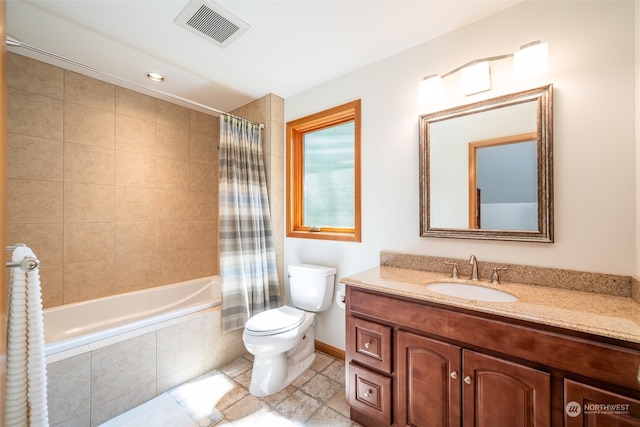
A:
(119, 373)
(113, 190)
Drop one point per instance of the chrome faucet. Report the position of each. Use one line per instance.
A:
(474, 267)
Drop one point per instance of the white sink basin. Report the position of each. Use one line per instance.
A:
(475, 292)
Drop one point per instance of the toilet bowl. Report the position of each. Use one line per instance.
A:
(282, 339)
(279, 357)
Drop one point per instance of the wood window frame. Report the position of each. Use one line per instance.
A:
(296, 130)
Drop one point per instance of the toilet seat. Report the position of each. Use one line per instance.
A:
(274, 321)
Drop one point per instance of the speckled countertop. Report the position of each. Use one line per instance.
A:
(609, 316)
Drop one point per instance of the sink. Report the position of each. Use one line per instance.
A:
(475, 292)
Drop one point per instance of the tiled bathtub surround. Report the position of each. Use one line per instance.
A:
(114, 190)
(96, 382)
(608, 284)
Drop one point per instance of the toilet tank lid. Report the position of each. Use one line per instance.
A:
(313, 269)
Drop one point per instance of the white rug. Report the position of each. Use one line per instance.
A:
(161, 411)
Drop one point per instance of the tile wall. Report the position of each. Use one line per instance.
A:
(113, 190)
(116, 374)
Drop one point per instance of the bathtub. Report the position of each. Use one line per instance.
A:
(85, 322)
(109, 355)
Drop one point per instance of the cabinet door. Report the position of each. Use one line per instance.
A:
(594, 407)
(497, 393)
(428, 382)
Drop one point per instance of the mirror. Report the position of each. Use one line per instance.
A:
(486, 169)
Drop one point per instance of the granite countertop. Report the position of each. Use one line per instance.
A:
(597, 314)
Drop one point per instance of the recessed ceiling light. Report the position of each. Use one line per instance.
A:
(155, 77)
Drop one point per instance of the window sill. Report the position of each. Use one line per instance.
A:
(324, 235)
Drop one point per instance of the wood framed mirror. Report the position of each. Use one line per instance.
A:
(486, 169)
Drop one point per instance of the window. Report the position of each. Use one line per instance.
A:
(323, 175)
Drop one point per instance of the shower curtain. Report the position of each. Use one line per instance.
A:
(248, 271)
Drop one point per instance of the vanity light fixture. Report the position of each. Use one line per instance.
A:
(431, 88)
(532, 59)
(475, 78)
(155, 77)
(529, 60)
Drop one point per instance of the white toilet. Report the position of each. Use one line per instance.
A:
(282, 339)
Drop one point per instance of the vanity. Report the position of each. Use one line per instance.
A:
(428, 344)
(553, 357)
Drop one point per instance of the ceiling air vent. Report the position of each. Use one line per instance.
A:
(212, 22)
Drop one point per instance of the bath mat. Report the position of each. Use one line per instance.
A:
(161, 411)
(201, 420)
(199, 397)
(215, 418)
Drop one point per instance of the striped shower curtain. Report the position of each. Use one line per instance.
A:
(248, 270)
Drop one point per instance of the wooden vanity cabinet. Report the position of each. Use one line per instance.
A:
(442, 384)
(587, 406)
(429, 373)
(369, 369)
(497, 392)
(430, 365)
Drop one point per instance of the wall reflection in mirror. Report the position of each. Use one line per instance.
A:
(486, 169)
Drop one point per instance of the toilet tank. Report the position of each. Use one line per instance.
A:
(311, 286)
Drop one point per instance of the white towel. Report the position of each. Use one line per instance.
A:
(26, 395)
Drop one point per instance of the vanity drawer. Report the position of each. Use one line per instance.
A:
(370, 393)
(369, 343)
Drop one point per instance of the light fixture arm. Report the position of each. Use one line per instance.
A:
(477, 61)
(529, 60)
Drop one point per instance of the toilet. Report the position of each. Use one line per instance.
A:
(282, 339)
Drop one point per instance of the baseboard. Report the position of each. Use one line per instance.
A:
(330, 350)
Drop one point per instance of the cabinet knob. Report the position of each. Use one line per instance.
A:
(453, 375)
(467, 379)
(368, 393)
(367, 345)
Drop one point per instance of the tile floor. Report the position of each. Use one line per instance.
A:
(221, 398)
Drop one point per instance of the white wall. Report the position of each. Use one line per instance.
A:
(591, 65)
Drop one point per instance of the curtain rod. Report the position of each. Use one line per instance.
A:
(14, 42)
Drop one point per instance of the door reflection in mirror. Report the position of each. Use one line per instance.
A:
(449, 158)
(503, 183)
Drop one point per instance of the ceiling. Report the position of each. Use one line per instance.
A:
(292, 45)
